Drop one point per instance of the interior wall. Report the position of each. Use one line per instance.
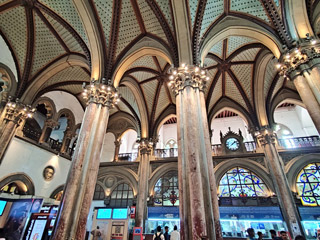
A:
(108, 147)
(23, 157)
(6, 57)
(128, 139)
(167, 132)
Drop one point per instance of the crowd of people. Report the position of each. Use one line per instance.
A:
(174, 235)
(283, 235)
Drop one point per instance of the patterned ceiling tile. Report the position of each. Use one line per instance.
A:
(141, 76)
(151, 22)
(233, 92)
(243, 73)
(163, 102)
(65, 35)
(4, 1)
(68, 12)
(123, 107)
(149, 90)
(216, 94)
(208, 62)
(129, 97)
(269, 75)
(75, 73)
(211, 74)
(47, 47)
(251, 7)
(166, 10)
(13, 26)
(213, 10)
(129, 28)
(162, 62)
(235, 42)
(193, 5)
(146, 61)
(247, 55)
(104, 9)
(277, 87)
(217, 49)
(74, 89)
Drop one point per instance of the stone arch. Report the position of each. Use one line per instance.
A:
(49, 104)
(8, 77)
(56, 191)
(251, 165)
(113, 126)
(234, 26)
(22, 180)
(296, 165)
(69, 115)
(168, 113)
(158, 173)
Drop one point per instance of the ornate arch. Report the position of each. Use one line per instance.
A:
(164, 116)
(56, 191)
(49, 104)
(69, 115)
(19, 179)
(9, 78)
(131, 123)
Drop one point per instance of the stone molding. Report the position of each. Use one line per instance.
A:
(18, 112)
(266, 136)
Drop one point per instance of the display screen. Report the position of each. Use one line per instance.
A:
(2, 206)
(104, 213)
(120, 213)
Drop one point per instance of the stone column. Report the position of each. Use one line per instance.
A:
(145, 150)
(15, 114)
(308, 99)
(312, 76)
(66, 141)
(79, 189)
(117, 144)
(47, 129)
(197, 188)
(267, 140)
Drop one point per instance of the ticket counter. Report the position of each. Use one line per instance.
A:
(310, 217)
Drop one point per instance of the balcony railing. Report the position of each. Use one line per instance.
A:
(300, 142)
(166, 153)
(127, 156)
(31, 133)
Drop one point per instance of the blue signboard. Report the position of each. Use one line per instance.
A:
(104, 213)
(271, 213)
(163, 212)
(309, 213)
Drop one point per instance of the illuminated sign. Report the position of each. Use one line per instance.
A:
(120, 213)
(104, 213)
(2, 206)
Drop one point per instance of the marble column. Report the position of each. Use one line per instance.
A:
(267, 140)
(15, 114)
(308, 99)
(312, 76)
(79, 189)
(66, 141)
(117, 144)
(47, 129)
(197, 187)
(145, 150)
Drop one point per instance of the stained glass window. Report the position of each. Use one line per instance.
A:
(122, 196)
(166, 190)
(240, 182)
(308, 185)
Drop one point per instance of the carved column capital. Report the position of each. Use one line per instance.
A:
(185, 75)
(117, 142)
(146, 146)
(69, 134)
(266, 136)
(17, 111)
(50, 123)
(101, 93)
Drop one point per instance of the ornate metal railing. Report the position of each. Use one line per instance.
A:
(300, 142)
(54, 144)
(31, 133)
(127, 156)
(166, 153)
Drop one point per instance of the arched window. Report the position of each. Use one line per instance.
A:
(98, 193)
(240, 182)
(18, 184)
(18, 188)
(121, 196)
(308, 181)
(171, 144)
(166, 190)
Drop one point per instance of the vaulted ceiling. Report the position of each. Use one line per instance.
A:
(51, 49)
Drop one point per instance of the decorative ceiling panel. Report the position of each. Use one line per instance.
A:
(123, 107)
(65, 35)
(208, 62)
(68, 12)
(141, 76)
(73, 89)
(4, 1)
(104, 9)
(162, 62)
(166, 10)
(13, 26)
(129, 97)
(163, 102)
(251, 7)
(47, 47)
(277, 87)
(247, 55)
(211, 74)
(149, 90)
(75, 73)
(216, 94)
(146, 61)
(129, 28)
(150, 20)
(193, 6)
(235, 42)
(244, 73)
(269, 75)
(113, 110)
(233, 92)
(217, 49)
(213, 10)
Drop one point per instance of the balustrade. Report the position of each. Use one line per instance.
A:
(31, 133)
(299, 142)
(127, 156)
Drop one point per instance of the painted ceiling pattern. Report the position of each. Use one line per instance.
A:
(41, 32)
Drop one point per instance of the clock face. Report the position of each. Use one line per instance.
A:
(232, 144)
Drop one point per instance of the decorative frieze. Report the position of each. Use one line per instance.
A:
(266, 136)
(146, 146)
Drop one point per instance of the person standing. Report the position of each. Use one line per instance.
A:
(175, 235)
(166, 233)
(158, 235)
(284, 235)
(274, 235)
(96, 233)
(250, 232)
(260, 235)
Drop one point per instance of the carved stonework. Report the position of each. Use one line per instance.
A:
(101, 93)
(185, 75)
(266, 136)
(50, 123)
(18, 112)
(145, 146)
